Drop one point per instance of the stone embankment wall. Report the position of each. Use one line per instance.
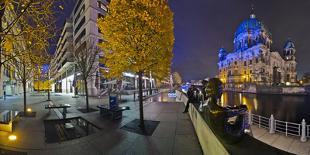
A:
(208, 141)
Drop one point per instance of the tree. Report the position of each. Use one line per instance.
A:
(138, 37)
(31, 18)
(177, 79)
(27, 21)
(85, 58)
(24, 70)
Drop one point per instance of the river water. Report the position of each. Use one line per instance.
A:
(283, 107)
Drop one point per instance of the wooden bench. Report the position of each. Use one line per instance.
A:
(8, 119)
(116, 113)
(55, 107)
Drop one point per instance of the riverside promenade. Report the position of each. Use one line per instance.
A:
(174, 135)
(290, 144)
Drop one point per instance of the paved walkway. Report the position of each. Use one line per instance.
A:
(174, 134)
(290, 144)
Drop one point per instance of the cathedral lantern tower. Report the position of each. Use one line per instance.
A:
(289, 51)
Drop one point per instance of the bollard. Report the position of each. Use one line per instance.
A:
(271, 124)
(134, 96)
(303, 131)
(250, 118)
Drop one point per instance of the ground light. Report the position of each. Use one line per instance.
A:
(29, 110)
(12, 137)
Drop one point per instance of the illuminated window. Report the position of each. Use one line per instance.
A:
(102, 6)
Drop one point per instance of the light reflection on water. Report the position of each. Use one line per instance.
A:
(283, 107)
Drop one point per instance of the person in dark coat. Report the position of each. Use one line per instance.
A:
(191, 98)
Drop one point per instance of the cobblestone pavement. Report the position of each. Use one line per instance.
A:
(174, 134)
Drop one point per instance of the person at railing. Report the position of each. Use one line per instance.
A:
(228, 122)
(191, 95)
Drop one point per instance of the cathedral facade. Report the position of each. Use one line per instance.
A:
(252, 60)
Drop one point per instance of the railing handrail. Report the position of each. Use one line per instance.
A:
(288, 128)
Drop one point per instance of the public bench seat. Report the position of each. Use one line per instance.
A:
(116, 113)
(55, 108)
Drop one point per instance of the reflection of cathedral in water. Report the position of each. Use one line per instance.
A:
(252, 60)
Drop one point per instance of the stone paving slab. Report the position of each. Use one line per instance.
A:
(290, 144)
(174, 134)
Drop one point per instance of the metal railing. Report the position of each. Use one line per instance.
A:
(261, 121)
(287, 128)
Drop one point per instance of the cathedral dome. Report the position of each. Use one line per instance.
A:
(250, 24)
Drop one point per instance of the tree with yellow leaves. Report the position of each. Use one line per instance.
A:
(177, 79)
(138, 37)
(27, 21)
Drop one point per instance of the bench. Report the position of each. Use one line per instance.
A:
(8, 119)
(55, 108)
(116, 113)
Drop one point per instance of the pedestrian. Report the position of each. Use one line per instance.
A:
(190, 96)
(4, 95)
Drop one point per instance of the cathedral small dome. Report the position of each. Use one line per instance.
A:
(289, 44)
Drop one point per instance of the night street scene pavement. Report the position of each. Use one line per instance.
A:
(154, 77)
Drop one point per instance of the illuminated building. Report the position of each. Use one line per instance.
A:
(252, 60)
(79, 28)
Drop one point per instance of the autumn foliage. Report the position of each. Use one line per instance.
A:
(138, 37)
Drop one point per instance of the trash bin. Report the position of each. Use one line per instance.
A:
(113, 101)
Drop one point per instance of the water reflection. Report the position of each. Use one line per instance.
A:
(283, 107)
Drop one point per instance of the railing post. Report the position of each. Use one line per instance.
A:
(271, 124)
(258, 121)
(285, 128)
(250, 118)
(303, 131)
(134, 96)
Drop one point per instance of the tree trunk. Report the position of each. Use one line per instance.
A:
(141, 101)
(25, 105)
(48, 87)
(2, 5)
(24, 87)
(75, 81)
(48, 95)
(86, 95)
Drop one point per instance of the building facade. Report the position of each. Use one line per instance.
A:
(81, 31)
(78, 30)
(253, 61)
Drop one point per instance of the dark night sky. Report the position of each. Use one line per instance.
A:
(203, 26)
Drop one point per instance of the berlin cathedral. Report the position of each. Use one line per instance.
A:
(252, 60)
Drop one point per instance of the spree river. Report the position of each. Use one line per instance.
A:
(283, 107)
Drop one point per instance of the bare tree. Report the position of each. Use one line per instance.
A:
(85, 57)
(24, 71)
